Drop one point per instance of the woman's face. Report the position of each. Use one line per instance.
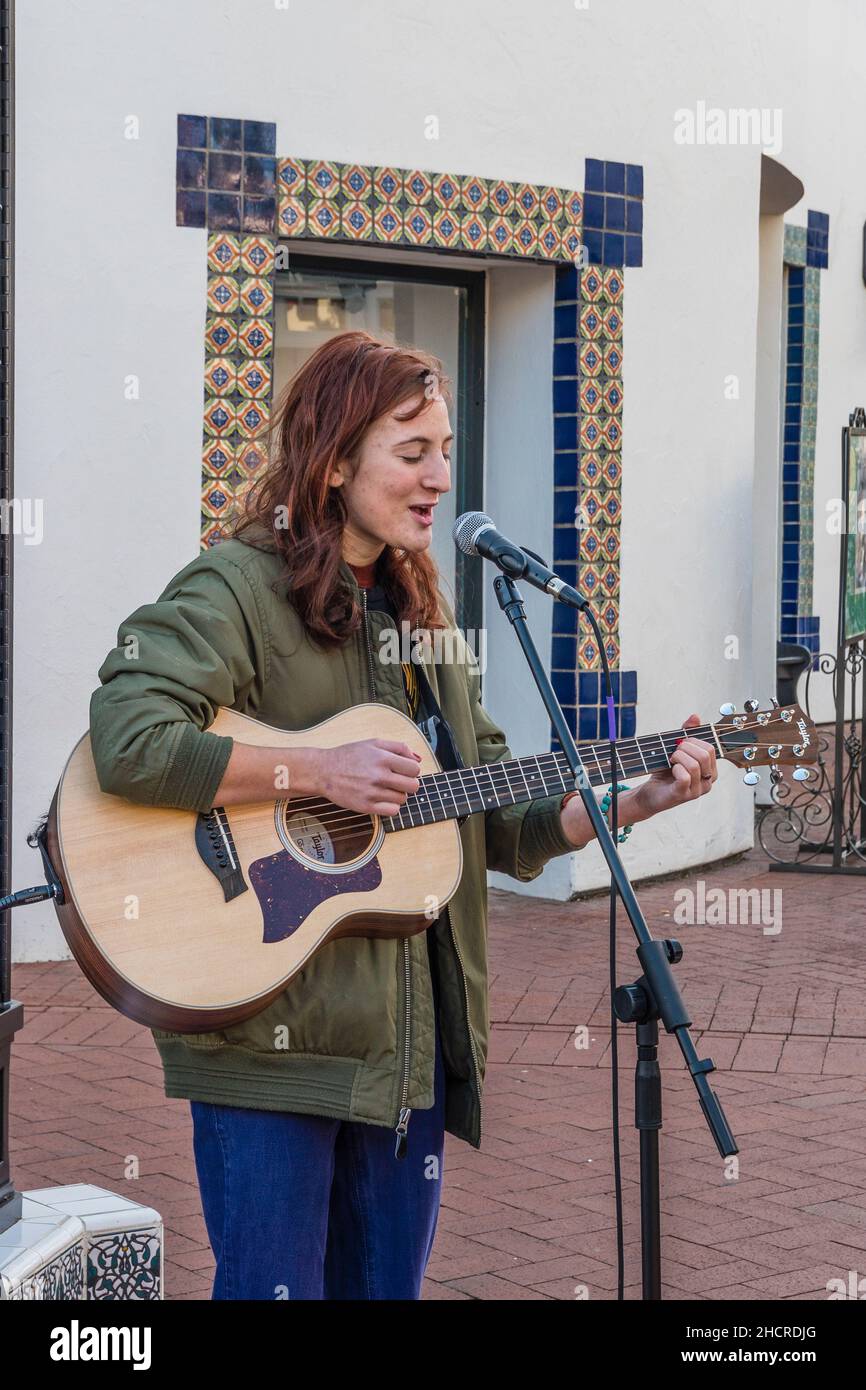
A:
(403, 466)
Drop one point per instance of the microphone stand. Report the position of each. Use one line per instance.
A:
(653, 996)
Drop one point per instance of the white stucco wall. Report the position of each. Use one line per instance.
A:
(108, 288)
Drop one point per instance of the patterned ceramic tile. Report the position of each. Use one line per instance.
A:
(417, 207)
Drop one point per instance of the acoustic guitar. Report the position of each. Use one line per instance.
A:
(192, 922)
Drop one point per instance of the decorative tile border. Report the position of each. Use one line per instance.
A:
(438, 211)
(805, 254)
(238, 370)
(587, 462)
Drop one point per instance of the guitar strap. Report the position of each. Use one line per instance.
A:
(436, 729)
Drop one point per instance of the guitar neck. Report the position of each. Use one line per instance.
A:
(450, 795)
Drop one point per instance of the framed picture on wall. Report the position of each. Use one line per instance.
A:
(853, 590)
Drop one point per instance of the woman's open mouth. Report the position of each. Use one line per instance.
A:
(424, 513)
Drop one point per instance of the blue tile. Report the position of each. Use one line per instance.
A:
(563, 683)
(192, 132)
(588, 726)
(565, 321)
(224, 171)
(634, 216)
(260, 215)
(565, 470)
(594, 176)
(190, 208)
(593, 240)
(564, 545)
(565, 432)
(260, 137)
(225, 134)
(190, 169)
(567, 283)
(564, 619)
(564, 504)
(633, 250)
(627, 721)
(223, 212)
(634, 180)
(260, 172)
(614, 214)
(589, 683)
(628, 680)
(614, 248)
(565, 359)
(563, 653)
(565, 396)
(593, 210)
(614, 177)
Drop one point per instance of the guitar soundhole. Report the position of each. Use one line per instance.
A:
(325, 835)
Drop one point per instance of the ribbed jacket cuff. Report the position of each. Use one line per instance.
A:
(196, 769)
(542, 836)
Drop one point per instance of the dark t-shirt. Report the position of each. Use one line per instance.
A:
(379, 599)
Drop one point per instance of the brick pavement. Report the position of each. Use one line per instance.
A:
(530, 1215)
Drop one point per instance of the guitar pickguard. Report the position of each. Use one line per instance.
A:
(288, 891)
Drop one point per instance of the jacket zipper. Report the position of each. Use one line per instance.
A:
(401, 1130)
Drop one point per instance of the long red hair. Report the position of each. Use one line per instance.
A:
(320, 418)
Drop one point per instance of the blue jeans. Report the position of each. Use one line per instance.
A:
(306, 1207)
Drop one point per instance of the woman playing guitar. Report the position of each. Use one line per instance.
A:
(305, 1193)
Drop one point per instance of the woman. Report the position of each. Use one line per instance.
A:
(319, 1124)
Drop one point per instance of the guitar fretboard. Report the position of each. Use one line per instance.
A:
(463, 791)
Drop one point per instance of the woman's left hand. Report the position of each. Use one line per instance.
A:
(692, 773)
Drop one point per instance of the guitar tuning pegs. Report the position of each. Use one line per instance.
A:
(752, 778)
(774, 702)
(800, 774)
(775, 776)
(726, 710)
(750, 706)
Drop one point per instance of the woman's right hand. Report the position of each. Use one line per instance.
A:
(374, 775)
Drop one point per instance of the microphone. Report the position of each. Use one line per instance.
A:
(475, 534)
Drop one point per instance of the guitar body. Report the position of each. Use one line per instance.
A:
(192, 923)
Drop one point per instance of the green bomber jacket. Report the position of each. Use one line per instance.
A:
(356, 1025)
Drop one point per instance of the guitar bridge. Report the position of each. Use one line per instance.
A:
(216, 846)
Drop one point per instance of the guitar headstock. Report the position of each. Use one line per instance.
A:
(783, 736)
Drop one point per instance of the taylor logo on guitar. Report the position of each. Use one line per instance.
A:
(195, 922)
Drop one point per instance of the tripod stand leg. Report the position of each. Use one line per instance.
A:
(648, 1121)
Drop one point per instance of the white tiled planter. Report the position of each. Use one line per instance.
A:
(43, 1256)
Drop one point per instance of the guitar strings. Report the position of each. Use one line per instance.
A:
(504, 772)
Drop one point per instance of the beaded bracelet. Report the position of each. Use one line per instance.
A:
(605, 807)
